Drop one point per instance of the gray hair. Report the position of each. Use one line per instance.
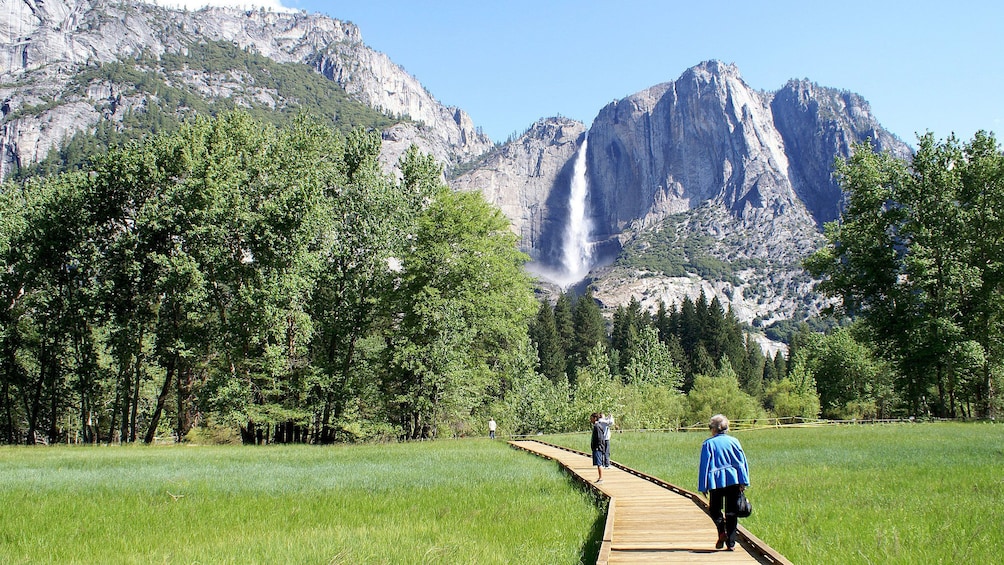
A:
(719, 424)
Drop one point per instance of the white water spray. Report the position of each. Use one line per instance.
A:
(577, 253)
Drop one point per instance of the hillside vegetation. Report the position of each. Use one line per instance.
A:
(242, 281)
(150, 96)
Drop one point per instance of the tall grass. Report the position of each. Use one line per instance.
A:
(893, 493)
(438, 502)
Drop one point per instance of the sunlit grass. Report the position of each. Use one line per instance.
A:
(436, 502)
(922, 493)
(894, 493)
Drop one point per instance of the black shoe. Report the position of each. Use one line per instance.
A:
(721, 540)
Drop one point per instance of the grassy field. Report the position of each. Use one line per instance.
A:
(451, 502)
(901, 493)
(894, 493)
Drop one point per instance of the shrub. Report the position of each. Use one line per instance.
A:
(720, 395)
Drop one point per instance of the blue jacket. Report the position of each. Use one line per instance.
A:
(723, 464)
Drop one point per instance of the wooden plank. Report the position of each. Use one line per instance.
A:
(651, 521)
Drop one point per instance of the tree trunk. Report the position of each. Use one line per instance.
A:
(187, 416)
(54, 376)
(138, 369)
(124, 399)
(8, 432)
(36, 400)
(161, 400)
(324, 431)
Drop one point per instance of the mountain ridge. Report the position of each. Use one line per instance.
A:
(743, 178)
(46, 43)
(696, 184)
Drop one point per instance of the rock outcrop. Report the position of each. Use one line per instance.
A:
(44, 44)
(749, 172)
(707, 136)
(529, 179)
(815, 122)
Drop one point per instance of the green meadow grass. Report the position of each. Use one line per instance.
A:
(889, 493)
(471, 501)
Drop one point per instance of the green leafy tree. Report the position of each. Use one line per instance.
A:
(465, 301)
(589, 329)
(566, 328)
(982, 190)
(627, 323)
(363, 238)
(794, 395)
(48, 339)
(848, 377)
(596, 389)
(653, 363)
(902, 258)
(533, 405)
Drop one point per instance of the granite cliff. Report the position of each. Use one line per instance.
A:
(699, 184)
(528, 180)
(45, 44)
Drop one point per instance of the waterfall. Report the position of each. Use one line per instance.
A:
(577, 253)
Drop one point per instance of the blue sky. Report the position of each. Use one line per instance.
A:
(923, 66)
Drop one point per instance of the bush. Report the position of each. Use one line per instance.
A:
(211, 433)
(720, 395)
(652, 407)
(785, 398)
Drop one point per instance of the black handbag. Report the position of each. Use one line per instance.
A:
(743, 506)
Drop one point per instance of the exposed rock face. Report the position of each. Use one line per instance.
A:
(529, 180)
(374, 79)
(672, 147)
(748, 171)
(43, 44)
(709, 137)
(815, 122)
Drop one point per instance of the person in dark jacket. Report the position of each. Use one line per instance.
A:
(606, 422)
(724, 474)
(596, 445)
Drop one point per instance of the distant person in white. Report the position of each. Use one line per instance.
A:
(491, 428)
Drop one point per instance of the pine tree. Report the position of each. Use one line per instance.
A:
(550, 354)
(565, 327)
(589, 328)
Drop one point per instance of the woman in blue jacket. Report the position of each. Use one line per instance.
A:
(724, 474)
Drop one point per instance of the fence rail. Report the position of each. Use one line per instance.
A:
(757, 424)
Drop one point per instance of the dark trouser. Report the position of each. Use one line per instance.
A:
(726, 498)
(606, 453)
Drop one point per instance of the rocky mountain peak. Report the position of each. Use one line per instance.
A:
(60, 34)
(697, 184)
(711, 71)
(44, 44)
(742, 164)
(701, 184)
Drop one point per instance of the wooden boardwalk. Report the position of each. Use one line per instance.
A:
(651, 521)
